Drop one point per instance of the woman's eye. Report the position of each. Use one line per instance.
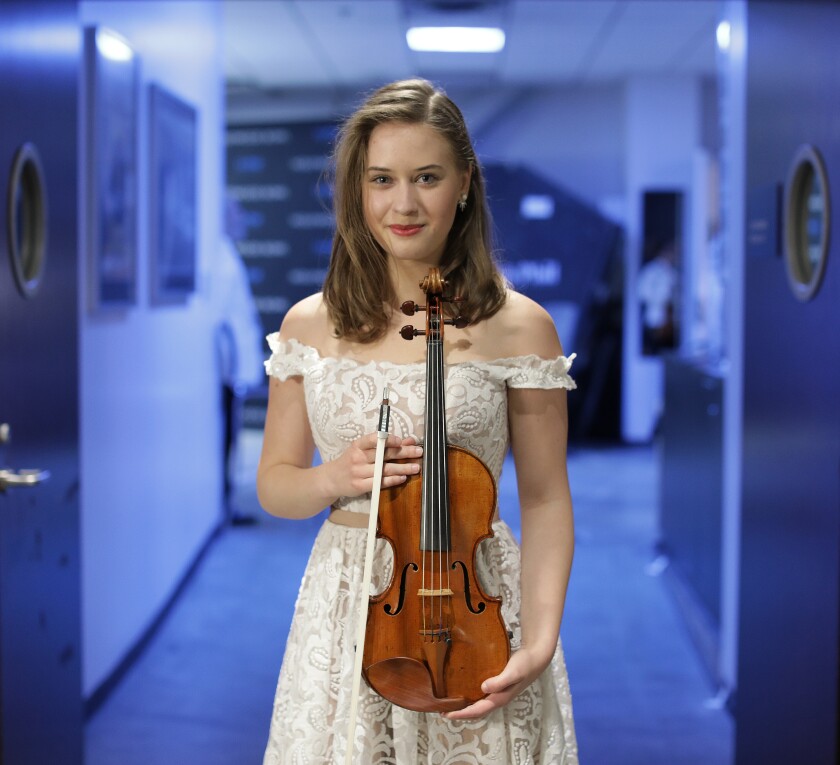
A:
(379, 179)
(427, 178)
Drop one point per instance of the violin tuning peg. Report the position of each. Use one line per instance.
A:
(459, 322)
(408, 332)
(409, 308)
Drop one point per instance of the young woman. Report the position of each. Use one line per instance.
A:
(409, 195)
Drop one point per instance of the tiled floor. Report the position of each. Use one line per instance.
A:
(202, 692)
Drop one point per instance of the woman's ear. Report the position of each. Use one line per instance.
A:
(467, 179)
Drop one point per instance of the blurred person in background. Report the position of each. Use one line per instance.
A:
(239, 340)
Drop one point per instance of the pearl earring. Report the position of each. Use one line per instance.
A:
(462, 204)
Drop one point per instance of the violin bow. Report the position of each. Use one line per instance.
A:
(361, 629)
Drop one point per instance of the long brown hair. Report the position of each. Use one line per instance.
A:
(358, 289)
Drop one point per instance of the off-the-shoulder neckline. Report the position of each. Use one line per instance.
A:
(506, 361)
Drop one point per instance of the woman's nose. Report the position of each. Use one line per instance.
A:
(405, 202)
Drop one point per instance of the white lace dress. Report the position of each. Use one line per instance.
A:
(311, 708)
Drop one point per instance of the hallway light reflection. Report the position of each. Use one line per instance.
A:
(112, 46)
(723, 35)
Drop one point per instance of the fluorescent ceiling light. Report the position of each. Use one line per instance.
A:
(456, 39)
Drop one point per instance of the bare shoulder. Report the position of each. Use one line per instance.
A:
(522, 327)
(307, 321)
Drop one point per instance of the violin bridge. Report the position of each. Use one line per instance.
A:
(424, 593)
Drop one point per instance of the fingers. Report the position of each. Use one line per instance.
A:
(394, 480)
(404, 453)
(401, 462)
(485, 706)
(498, 684)
(395, 448)
(357, 463)
(481, 708)
(500, 690)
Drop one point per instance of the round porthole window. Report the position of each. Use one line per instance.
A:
(807, 217)
(26, 219)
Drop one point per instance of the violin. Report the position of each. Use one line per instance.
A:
(433, 635)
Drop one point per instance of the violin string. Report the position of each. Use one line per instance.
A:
(434, 486)
(448, 514)
(427, 456)
(444, 489)
(444, 484)
(436, 601)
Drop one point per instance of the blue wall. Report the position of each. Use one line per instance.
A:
(150, 402)
(787, 699)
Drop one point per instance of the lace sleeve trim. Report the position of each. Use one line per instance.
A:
(291, 358)
(288, 358)
(534, 372)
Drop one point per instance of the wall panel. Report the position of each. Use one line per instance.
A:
(787, 699)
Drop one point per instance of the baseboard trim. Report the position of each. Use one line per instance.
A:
(700, 624)
(94, 702)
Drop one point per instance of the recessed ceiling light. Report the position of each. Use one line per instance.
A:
(456, 39)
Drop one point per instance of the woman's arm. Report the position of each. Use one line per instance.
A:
(287, 483)
(538, 436)
(538, 430)
(290, 487)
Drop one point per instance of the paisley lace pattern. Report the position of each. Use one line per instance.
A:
(311, 708)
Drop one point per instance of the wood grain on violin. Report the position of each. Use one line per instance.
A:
(433, 635)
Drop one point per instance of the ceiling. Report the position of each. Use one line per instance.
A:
(277, 47)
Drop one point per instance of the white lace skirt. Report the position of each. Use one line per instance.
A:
(311, 708)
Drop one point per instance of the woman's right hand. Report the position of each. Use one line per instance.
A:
(352, 473)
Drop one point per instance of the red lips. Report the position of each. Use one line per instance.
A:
(405, 230)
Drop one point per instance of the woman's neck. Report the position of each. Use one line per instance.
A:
(406, 278)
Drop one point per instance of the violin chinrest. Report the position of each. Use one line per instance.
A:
(407, 683)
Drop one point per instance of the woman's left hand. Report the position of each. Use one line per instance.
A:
(521, 670)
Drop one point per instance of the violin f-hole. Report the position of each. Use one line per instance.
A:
(482, 605)
(387, 608)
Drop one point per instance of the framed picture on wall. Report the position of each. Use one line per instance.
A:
(111, 88)
(173, 131)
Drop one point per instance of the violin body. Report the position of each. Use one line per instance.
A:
(433, 635)
(429, 668)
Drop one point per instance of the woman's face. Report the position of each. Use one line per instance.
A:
(410, 191)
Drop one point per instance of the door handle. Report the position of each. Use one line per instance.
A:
(10, 478)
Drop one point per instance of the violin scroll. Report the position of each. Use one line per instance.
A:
(433, 285)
